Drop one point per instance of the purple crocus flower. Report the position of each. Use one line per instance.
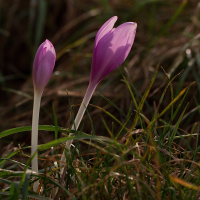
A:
(43, 65)
(112, 46)
(42, 69)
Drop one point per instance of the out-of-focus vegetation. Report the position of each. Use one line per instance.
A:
(168, 35)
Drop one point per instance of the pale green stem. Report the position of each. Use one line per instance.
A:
(88, 95)
(90, 90)
(34, 136)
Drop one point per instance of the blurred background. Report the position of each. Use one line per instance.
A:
(168, 34)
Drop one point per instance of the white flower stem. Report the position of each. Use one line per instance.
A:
(34, 135)
(88, 95)
(90, 90)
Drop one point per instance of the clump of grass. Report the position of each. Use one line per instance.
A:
(143, 160)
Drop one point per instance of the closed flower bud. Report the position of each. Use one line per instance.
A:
(43, 65)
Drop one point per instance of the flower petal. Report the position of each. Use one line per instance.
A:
(38, 58)
(105, 28)
(122, 41)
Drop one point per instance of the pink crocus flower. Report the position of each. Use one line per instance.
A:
(43, 66)
(111, 48)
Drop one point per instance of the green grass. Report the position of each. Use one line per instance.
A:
(145, 163)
